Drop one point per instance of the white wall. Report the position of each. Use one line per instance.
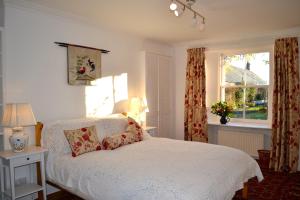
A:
(180, 70)
(1, 13)
(35, 68)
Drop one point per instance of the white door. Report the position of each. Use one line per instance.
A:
(159, 92)
(151, 78)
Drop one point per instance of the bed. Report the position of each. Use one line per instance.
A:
(155, 168)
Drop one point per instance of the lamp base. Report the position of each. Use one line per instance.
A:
(18, 141)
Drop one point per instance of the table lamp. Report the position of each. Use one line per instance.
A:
(138, 106)
(16, 116)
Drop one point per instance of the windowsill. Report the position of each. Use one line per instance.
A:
(241, 125)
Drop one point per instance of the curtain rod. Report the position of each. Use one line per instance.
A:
(63, 44)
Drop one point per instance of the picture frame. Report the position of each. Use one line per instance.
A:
(84, 65)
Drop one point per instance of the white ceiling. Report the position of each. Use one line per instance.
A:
(152, 19)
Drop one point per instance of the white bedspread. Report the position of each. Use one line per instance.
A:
(156, 169)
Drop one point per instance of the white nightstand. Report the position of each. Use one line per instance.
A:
(151, 130)
(10, 160)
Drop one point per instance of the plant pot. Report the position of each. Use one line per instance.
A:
(224, 120)
(264, 158)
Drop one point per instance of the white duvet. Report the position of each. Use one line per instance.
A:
(156, 169)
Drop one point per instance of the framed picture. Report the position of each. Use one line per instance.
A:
(84, 65)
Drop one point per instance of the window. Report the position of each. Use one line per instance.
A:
(245, 84)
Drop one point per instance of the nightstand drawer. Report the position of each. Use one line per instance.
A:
(26, 160)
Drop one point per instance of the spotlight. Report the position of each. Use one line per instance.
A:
(173, 6)
(178, 12)
(201, 25)
(194, 20)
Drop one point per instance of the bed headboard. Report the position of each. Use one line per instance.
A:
(38, 136)
(38, 133)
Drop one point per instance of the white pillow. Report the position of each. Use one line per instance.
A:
(54, 140)
(110, 126)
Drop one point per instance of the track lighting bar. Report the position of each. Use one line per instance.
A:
(190, 8)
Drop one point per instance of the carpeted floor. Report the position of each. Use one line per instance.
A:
(275, 186)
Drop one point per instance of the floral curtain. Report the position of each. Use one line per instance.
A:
(195, 117)
(286, 106)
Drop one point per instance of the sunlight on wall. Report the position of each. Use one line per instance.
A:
(120, 87)
(101, 97)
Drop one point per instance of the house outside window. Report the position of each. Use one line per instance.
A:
(245, 84)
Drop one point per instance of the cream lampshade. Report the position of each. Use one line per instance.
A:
(144, 110)
(144, 105)
(138, 107)
(16, 116)
(135, 105)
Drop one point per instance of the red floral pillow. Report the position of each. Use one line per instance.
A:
(135, 128)
(118, 140)
(83, 140)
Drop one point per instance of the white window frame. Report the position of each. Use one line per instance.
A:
(270, 86)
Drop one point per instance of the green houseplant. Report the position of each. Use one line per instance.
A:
(222, 109)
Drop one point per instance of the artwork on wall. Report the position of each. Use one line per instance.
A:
(84, 65)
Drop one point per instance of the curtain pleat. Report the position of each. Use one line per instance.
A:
(286, 106)
(195, 116)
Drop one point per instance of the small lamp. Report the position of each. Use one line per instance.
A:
(138, 106)
(16, 116)
(144, 110)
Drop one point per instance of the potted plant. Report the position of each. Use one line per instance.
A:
(222, 109)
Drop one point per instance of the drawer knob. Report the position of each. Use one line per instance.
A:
(28, 158)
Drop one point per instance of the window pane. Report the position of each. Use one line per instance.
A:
(235, 97)
(257, 68)
(256, 103)
(233, 72)
(246, 69)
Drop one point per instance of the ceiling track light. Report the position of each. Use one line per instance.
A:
(174, 7)
(201, 25)
(190, 2)
(178, 12)
(194, 20)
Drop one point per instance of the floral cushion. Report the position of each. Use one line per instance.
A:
(135, 128)
(83, 140)
(118, 140)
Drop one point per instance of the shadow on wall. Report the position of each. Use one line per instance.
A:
(107, 95)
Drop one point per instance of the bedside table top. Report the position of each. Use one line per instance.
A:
(149, 128)
(9, 154)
